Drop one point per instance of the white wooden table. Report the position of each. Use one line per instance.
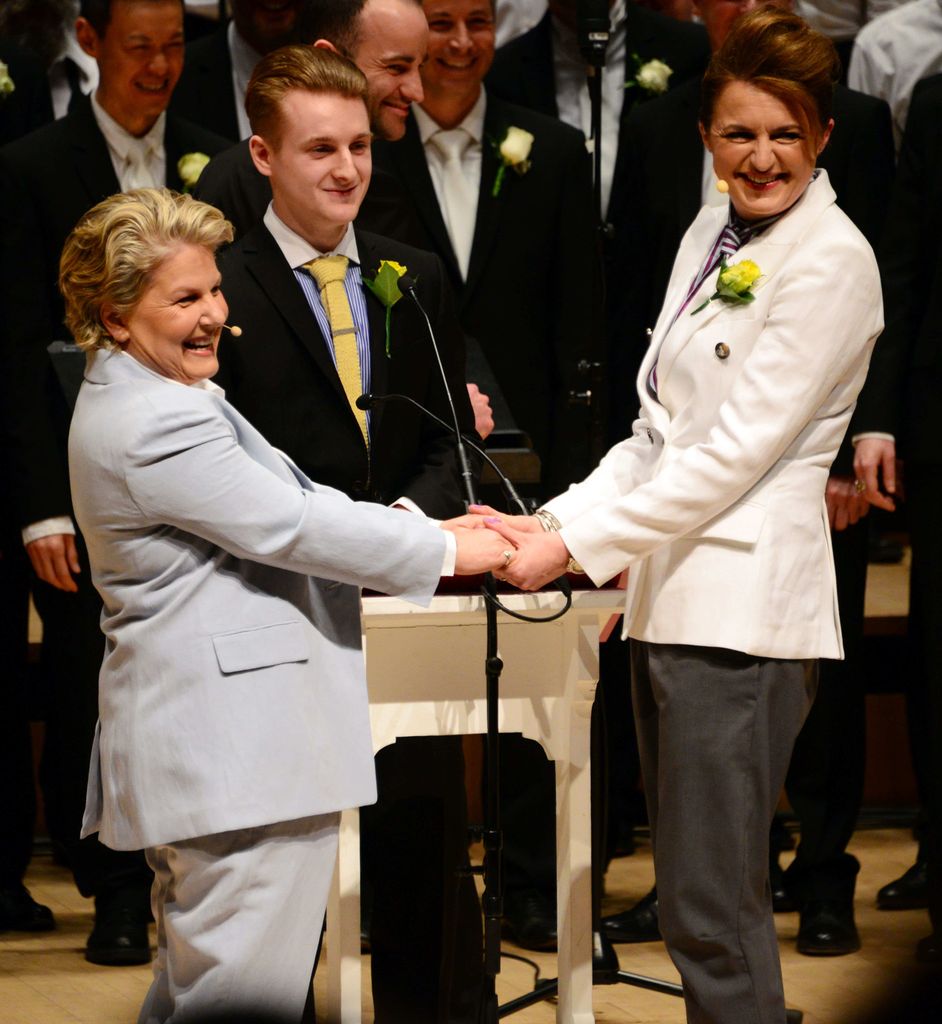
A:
(425, 670)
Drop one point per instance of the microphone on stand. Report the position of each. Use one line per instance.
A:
(407, 287)
(593, 27)
(369, 401)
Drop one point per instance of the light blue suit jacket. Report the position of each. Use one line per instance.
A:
(232, 692)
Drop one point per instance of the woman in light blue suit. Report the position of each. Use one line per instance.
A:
(233, 709)
(716, 505)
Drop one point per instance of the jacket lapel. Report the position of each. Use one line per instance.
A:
(376, 314)
(92, 160)
(265, 262)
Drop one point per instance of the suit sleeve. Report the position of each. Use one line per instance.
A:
(435, 485)
(903, 261)
(783, 383)
(186, 469)
(864, 196)
(34, 411)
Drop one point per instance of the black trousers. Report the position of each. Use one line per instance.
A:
(924, 693)
(18, 808)
(426, 930)
(825, 778)
(72, 651)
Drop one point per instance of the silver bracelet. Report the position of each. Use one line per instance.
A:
(551, 524)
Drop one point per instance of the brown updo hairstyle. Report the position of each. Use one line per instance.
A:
(113, 251)
(777, 52)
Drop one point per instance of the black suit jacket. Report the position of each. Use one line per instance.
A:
(661, 192)
(903, 389)
(48, 180)
(532, 296)
(29, 106)
(231, 183)
(204, 94)
(280, 375)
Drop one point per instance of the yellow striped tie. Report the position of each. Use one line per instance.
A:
(329, 272)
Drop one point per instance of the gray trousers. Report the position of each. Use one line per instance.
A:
(239, 917)
(715, 733)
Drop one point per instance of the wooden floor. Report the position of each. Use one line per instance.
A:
(44, 979)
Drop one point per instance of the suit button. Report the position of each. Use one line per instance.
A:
(721, 350)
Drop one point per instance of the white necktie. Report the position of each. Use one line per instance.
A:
(460, 196)
(137, 172)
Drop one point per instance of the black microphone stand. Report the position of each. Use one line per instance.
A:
(490, 832)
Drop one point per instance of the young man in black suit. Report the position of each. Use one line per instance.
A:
(899, 408)
(289, 376)
(217, 68)
(665, 182)
(115, 140)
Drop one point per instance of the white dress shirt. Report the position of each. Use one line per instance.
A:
(473, 126)
(894, 52)
(138, 162)
(244, 58)
(572, 91)
(297, 251)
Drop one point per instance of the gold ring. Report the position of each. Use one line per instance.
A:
(859, 486)
(507, 555)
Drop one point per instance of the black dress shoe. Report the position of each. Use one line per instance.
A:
(908, 892)
(19, 912)
(530, 919)
(827, 928)
(929, 949)
(637, 924)
(783, 902)
(119, 938)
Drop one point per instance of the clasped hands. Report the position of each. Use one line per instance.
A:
(526, 555)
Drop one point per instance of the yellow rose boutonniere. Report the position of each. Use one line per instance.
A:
(6, 82)
(734, 283)
(514, 152)
(651, 76)
(190, 166)
(385, 286)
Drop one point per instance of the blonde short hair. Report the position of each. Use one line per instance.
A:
(307, 68)
(109, 257)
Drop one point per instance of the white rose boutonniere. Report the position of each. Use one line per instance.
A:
(514, 152)
(6, 82)
(651, 77)
(190, 167)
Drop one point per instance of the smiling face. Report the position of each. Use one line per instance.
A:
(391, 47)
(761, 149)
(174, 328)
(266, 24)
(319, 164)
(460, 46)
(140, 57)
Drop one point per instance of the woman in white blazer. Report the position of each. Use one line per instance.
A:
(233, 707)
(716, 505)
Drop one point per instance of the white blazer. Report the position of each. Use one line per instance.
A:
(716, 501)
(233, 691)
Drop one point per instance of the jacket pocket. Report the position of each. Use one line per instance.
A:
(261, 647)
(739, 524)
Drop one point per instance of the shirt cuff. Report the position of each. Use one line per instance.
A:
(875, 435)
(451, 553)
(48, 528)
(410, 505)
